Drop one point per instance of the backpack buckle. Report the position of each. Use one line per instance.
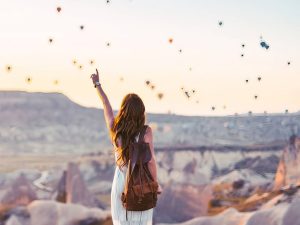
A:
(140, 200)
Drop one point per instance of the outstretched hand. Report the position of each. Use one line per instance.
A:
(95, 77)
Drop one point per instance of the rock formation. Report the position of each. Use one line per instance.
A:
(19, 192)
(60, 194)
(71, 120)
(281, 214)
(72, 188)
(182, 202)
(50, 212)
(288, 171)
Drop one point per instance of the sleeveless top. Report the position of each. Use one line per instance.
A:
(118, 212)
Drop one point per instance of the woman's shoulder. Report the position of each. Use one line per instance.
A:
(148, 133)
(148, 128)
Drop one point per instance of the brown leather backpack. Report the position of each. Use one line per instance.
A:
(140, 190)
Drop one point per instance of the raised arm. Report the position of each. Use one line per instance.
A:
(108, 112)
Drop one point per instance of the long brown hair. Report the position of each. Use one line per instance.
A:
(127, 124)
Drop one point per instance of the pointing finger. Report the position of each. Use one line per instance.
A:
(97, 71)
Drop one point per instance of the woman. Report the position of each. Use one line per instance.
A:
(123, 129)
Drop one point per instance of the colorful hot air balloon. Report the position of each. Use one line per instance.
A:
(160, 95)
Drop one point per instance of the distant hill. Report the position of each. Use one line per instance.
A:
(51, 122)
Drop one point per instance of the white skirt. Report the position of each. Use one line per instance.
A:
(118, 212)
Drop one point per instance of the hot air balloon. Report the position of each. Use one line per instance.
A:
(263, 44)
(160, 95)
(8, 68)
(28, 80)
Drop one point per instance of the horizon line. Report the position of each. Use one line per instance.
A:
(246, 114)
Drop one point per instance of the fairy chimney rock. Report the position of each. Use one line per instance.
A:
(288, 170)
(76, 190)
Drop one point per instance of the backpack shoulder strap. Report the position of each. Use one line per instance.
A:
(134, 154)
(142, 133)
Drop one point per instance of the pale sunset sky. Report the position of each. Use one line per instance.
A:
(138, 32)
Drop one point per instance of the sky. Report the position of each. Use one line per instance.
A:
(138, 33)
